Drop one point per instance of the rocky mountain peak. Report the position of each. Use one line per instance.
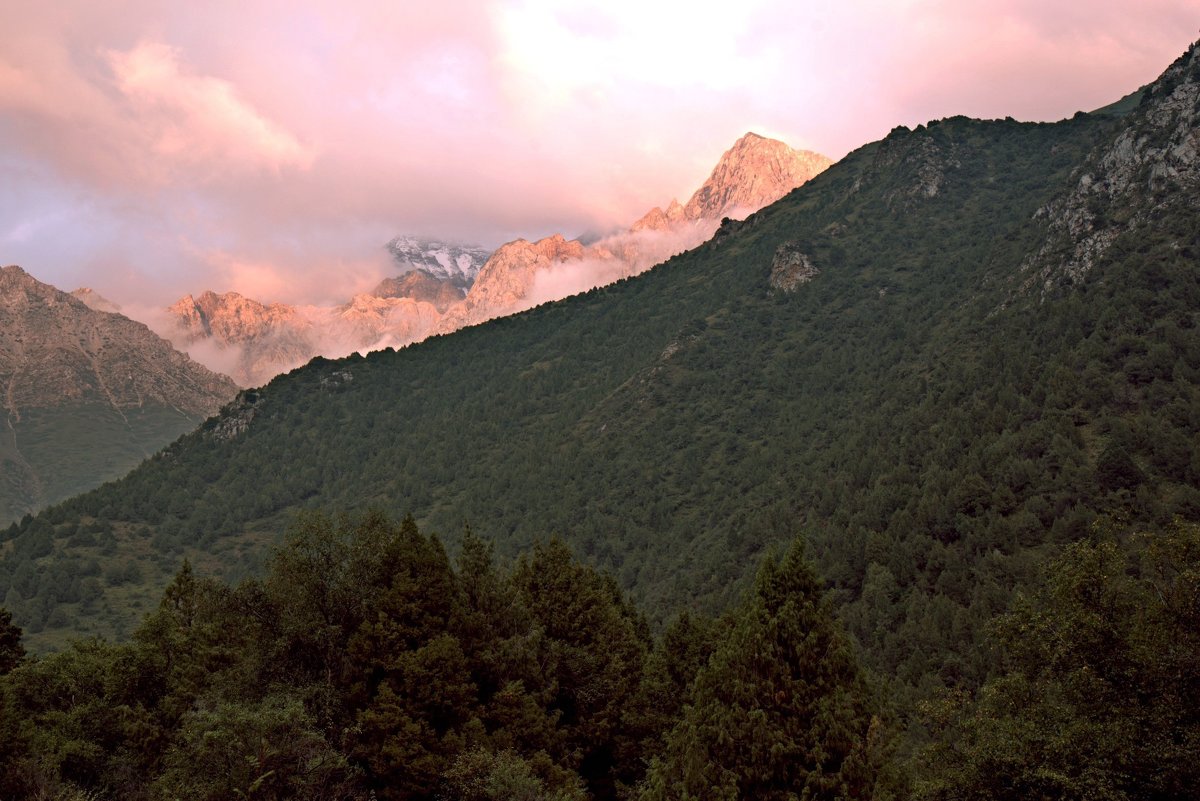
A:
(658, 220)
(231, 316)
(754, 172)
(18, 286)
(12, 275)
(55, 349)
(420, 285)
(94, 300)
(504, 281)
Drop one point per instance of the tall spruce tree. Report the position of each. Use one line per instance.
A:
(780, 711)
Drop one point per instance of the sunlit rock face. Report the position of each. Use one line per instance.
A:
(254, 342)
(754, 173)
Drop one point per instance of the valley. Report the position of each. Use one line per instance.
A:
(867, 479)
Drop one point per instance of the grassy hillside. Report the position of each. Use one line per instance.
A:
(934, 427)
(77, 445)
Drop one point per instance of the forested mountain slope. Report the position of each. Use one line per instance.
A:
(897, 360)
(86, 393)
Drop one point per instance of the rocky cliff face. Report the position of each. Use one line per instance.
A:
(755, 172)
(255, 341)
(1150, 167)
(506, 278)
(422, 285)
(85, 388)
(233, 318)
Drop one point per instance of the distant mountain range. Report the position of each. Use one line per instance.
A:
(87, 393)
(445, 286)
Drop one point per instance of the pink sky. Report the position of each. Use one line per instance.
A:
(150, 149)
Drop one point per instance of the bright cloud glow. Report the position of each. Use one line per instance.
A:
(196, 117)
(152, 149)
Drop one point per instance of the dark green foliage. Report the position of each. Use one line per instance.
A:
(682, 650)
(596, 646)
(481, 775)
(1099, 696)
(268, 749)
(781, 710)
(11, 649)
(363, 665)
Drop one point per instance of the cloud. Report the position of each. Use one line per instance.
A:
(138, 142)
(271, 281)
(198, 118)
(617, 256)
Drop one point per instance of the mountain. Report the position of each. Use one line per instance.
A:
(504, 283)
(87, 394)
(444, 286)
(753, 173)
(420, 285)
(94, 300)
(443, 260)
(254, 342)
(904, 361)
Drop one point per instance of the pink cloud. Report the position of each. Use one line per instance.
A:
(137, 142)
(198, 118)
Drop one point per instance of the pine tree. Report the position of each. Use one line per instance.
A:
(594, 645)
(781, 709)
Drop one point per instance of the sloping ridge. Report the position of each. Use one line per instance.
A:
(87, 394)
(931, 433)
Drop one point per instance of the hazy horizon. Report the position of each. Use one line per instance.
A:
(160, 151)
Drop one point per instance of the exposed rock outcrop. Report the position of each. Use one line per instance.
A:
(791, 267)
(1151, 165)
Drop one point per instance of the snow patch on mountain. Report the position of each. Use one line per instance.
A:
(445, 260)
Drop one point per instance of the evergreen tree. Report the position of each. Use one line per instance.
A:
(11, 650)
(781, 709)
(594, 645)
